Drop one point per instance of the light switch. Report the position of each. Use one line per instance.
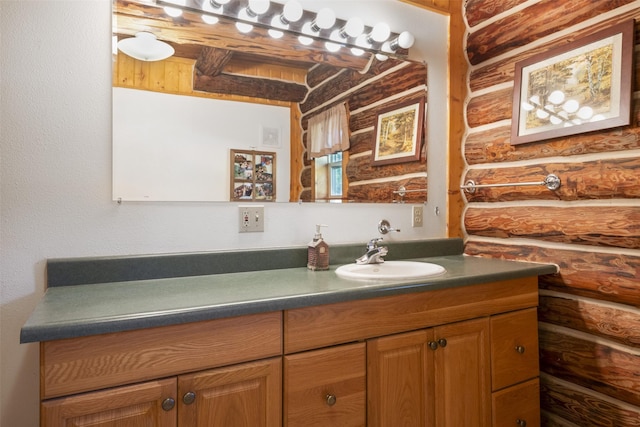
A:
(251, 218)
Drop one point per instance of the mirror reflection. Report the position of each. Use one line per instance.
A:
(175, 121)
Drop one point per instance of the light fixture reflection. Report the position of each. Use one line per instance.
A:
(174, 12)
(324, 19)
(145, 47)
(379, 33)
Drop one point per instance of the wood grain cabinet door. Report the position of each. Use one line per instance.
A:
(399, 380)
(514, 348)
(149, 404)
(463, 374)
(518, 405)
(244, 395)
(326, 387)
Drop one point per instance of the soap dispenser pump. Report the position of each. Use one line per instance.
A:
(318, 252)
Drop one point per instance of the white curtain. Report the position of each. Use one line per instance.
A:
(329, 132)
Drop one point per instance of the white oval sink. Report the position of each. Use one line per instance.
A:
(388, 270)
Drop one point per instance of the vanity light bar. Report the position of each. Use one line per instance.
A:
(378, 39)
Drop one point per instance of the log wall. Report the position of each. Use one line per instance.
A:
(383, 86)
(590, 311)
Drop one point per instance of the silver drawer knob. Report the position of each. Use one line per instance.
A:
(520, 349)
(331, 399)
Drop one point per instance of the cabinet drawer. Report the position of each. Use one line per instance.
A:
(89, 363)
(518, 403)
(514, 348)
(321, 326)
(326, 387)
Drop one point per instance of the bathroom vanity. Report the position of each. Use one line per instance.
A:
(291, 347)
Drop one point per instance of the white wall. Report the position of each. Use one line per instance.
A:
(55, 179)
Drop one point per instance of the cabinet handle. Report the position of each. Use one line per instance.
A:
(521, 423)
(331, 399)
(189, 397)
(520, 349)
(442, 342)
(168, 404)
(433, 345)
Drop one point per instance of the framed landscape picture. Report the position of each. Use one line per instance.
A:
(399, 133)
(583, 86)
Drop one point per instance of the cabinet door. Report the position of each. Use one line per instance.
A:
(463, 374)
(245, 395)
(399, 380)
(514, 347)
(326, 387)
(150, 404)
(518, 405)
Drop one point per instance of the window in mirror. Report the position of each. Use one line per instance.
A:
(329, 171)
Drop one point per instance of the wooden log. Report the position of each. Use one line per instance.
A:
(362, 169)
(582, 408)
(493, 146)
(607, 369)
(211, 61)
(538, 20)
(383, 192)
(361, 142)
(489, 108)
(620, 324)
(613, 226)
(340, 88)
(617, 178)
(478, 11)
(502, 71)
(250, 86)
(599, 275)
(321, 73)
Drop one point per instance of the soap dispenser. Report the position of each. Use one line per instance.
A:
(318, 252)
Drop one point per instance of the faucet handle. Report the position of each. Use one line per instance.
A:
(384, 227)
(373, 243)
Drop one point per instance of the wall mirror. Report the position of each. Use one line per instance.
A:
(176, 120)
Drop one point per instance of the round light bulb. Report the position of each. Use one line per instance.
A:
(245, 27)
(207, 6)
(406, 40)
(276, 22)
(216, 4)
(380, 32)
(258, 7)
(292, 11)
(353, 28)
(324, 19)
(174, 12)
(380, 57)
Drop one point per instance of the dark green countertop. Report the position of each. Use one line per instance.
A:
(87, 309)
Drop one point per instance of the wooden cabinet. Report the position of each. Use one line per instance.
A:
(434, 377)
(448, 357)
(515, 369)
(148, 404)
(246, 395)
(326, 387)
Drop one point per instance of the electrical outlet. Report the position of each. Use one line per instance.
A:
(251, 218)
(417, 216)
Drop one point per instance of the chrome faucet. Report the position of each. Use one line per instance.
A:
(374, 253)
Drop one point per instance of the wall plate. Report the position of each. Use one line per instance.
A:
(251, 218)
